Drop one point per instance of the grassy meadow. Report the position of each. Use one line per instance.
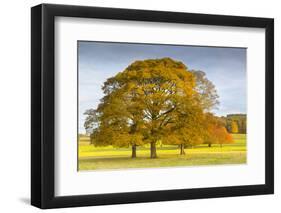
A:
(108, 157)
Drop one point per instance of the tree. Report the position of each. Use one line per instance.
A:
(240, 120)
(114, 121)
(216, 132)
(162, 87)
(207, 91)
(152, 100)
(222, 136)
(188, 131)
(210, 122)
(145, 99)
(234, 127)
(90, 121)
(243, 126)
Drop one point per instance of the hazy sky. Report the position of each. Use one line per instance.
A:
(225, 67)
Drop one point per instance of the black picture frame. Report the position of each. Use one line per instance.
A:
(43, 102)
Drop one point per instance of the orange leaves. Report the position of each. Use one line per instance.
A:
(157, 100)
(234, 127)
(221, 135)
(216, 132)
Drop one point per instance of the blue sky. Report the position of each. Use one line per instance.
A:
(225, 67)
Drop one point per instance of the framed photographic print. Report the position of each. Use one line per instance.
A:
(139, 106)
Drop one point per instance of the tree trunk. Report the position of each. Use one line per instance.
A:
(153, 150)
(182, 149)
(210, 145)
(134, 151)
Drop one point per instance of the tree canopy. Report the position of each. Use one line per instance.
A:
(154, 100)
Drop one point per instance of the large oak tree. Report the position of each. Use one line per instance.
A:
(152, 100)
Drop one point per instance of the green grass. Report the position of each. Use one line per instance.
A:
(93, 158)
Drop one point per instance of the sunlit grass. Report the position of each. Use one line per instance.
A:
(92, 158)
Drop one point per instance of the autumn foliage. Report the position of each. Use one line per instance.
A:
(216, 132)
(156, 100)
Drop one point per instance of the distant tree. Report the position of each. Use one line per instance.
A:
(221, 136)
(216, 132)
(207, 91)
(243, 126)
(240, 120)
(234, 127)
(90, 121)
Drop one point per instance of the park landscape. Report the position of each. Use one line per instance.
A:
(159, 113)
(92, 158)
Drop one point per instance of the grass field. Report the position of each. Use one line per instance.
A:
(93, 158)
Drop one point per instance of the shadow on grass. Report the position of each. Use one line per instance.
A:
(116, 159)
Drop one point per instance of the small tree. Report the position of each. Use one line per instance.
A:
(216, 132)
(90, 121)
(221, 136)
(234, 127)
